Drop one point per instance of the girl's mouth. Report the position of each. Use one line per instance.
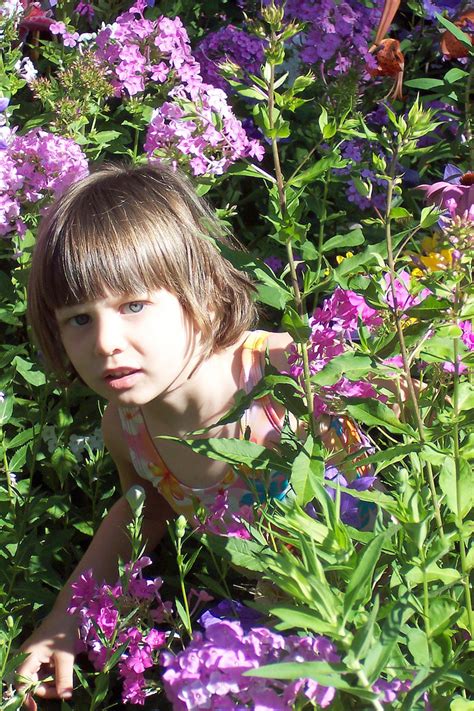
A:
(121, 379)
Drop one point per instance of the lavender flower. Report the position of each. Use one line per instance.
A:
(209, 673)
(198, 127)
(35, 166)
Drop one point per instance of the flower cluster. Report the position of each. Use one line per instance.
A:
(34, 166)
(194, 126)
(338, 34)
(137, 50)
(199, 126)
(334, 325)
(209, 673)
(232, 44)
(122, 615)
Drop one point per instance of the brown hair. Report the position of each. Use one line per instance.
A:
(124, 229)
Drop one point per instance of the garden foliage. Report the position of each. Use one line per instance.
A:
(347, 170)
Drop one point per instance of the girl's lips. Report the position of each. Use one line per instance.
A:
(121, 380)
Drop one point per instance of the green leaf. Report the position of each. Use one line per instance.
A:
(382, 650)
(300, 618)
(238, 452)
(437, 349)
(460, 704)
(23, 437)
(295, 325)
(464, 38)
(454, 74)
(17, 462)
(245, 554)
(444, 611)
(418, 646)
(361, 579)
(307, 464)
(391, 455)
(24, 368)
(424, 83)
(465, 396)
(84, 527)
(429, 216)
(374, 413)
(318, 169)
(433, 572)
(182, 612)
(322, 672)
(430, 308)
(364, 636)
(350, 239)
(448, 485)
(354, 366)
(399, 213)
(6, 408)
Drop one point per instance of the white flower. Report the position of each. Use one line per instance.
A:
(26, 70)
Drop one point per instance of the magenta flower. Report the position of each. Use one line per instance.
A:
(105, 607)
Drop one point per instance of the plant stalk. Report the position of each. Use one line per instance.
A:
(299, 303)
(457, 469)
(401, 340)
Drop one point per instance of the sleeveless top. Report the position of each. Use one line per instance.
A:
(265, 427)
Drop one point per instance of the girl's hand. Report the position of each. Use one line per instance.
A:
(49, 666)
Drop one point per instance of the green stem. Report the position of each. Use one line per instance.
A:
(179, 559)
(7, 469)
(322, 226)
(299, 303)
(401, 339)
(459, 502)
(135, 145)
(469, 114)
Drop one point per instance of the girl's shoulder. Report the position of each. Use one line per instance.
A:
(278, 345)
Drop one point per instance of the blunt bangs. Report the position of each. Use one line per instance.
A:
(128, 230)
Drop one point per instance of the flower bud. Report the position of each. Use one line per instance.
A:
(136, 498)
(180, 526)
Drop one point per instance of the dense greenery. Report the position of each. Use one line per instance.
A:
(320, 183)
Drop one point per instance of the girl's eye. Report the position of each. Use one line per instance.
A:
(80, 319)
(134, 307)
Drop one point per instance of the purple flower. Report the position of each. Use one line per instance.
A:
(353, 512)
(209, 672)
(228, 43)
(230, 609)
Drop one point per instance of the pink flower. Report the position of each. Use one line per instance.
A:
(457, 198)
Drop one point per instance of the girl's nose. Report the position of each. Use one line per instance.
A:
(108, 338)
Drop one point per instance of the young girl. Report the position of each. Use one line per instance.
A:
(129, 293)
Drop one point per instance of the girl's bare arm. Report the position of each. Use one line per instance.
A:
(51, 646)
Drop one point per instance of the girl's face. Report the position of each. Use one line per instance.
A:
(130, 349)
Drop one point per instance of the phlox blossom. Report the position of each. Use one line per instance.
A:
(101, 611)
(209, 673)
(35, 166)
